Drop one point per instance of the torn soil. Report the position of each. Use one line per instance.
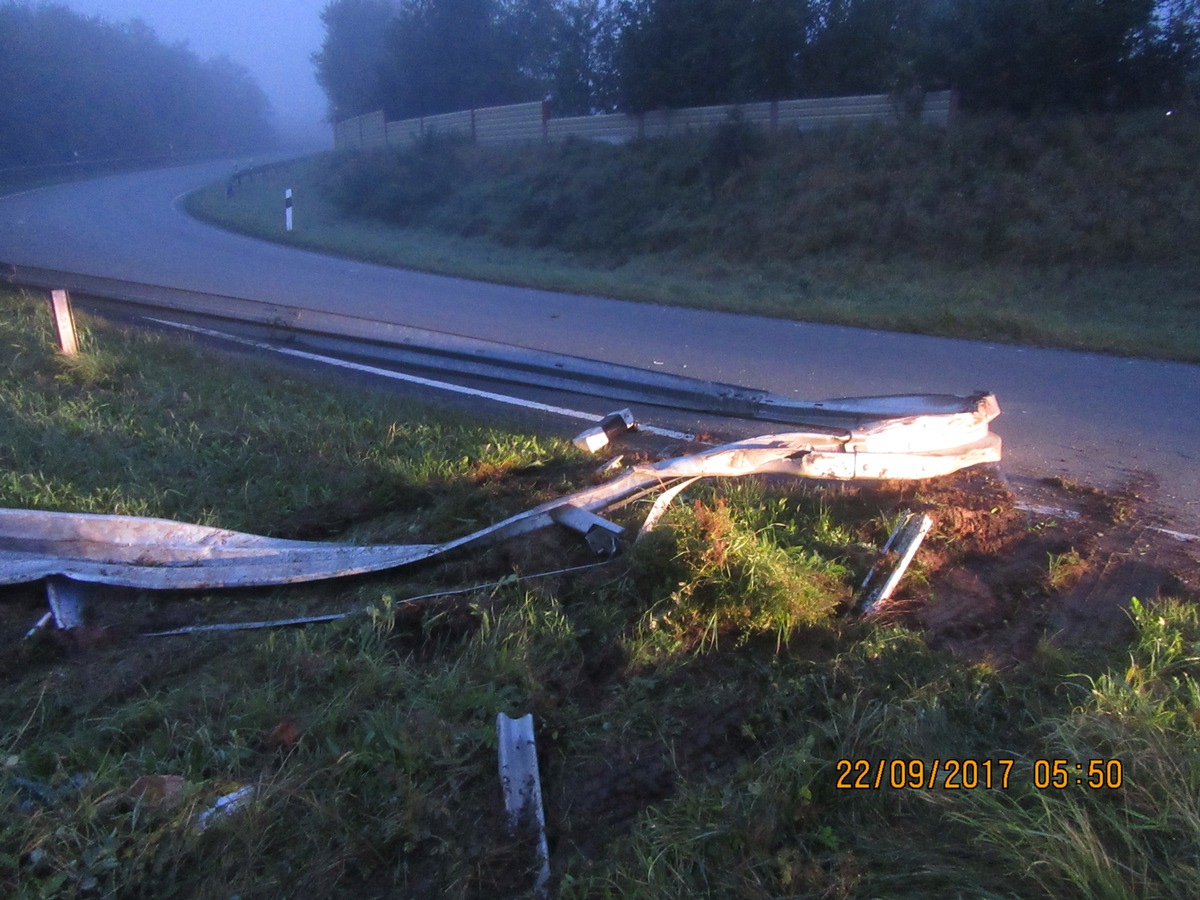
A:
(993, 582)
(1000, 577)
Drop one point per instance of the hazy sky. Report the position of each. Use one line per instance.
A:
(274, 39)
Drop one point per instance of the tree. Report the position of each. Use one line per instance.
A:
(867, 46)
(79, 88)
(448, 55)
(419, 57)
(697, 52)
(583, 78)
(1033, 55)
(351, 61)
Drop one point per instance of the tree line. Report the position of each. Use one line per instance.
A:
(79, 88)
(421, 57)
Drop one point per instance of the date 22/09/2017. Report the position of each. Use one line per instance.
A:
(971, 774)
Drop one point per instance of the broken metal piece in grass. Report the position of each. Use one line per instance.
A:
(66, 602)
(251, 626)
(610, 428)
(521, 785)
(611, 466)
(159, 554)
(660, 507)
(224, 806)
(335, 617)
(906, 537)
(601, 535)
(41, 623)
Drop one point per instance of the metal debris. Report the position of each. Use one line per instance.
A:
(610, 428)
(601, 535)
(611, 466)
(334, 617)
(160, 554)
(64, 322)
(522, 785)
(665, 499)
(906, 537)
(224, 806)
(39, 625)
(66, 602)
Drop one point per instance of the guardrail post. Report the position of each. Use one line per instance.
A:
(64, 322)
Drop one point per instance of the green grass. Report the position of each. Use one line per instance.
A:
(691, 699)
(1069, 233)
(126, 430)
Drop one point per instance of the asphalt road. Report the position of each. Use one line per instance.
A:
(1104, 421)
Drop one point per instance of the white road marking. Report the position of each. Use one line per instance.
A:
(417, 379)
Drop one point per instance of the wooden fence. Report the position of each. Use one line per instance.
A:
(531, 122)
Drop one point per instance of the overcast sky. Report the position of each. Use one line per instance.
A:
(274, 39)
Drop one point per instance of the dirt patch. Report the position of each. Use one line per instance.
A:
(993, 582)
(996, 578)
(597, 798)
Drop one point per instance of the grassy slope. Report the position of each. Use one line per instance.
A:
(1076, 233)
(692, 701)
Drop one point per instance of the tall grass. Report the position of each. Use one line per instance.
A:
(142, 425)
(1138, 839)
(1072, 232)
(692, 700)
(1073, 191)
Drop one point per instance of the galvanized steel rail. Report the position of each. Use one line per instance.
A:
(394, 344)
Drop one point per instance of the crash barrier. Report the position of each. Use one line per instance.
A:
(903, 437)
(159, 554)
(532, 122)
(436, 351)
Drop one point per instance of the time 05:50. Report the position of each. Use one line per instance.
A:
(968, 774)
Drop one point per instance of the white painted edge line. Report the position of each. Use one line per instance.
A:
(1058, 513)
(1178, 535)
(416, 379)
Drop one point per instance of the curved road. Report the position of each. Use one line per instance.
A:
(1099, 420)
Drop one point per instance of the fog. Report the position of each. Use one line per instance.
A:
(274, 39)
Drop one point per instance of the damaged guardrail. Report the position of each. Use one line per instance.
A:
(439, 351)
(159, 554)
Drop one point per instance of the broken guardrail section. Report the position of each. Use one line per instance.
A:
(390, 343)
(934, 439)
(905, 540)
(521, 785)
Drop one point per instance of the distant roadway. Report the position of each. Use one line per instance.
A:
(1094, 419)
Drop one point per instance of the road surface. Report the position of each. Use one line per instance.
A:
(1104, 421)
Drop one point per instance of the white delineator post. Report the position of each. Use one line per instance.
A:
(287, 208)
(64, 322)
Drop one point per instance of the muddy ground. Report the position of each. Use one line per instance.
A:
(994, 579)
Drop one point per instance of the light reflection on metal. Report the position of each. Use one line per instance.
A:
(906, 538)
(665, 499)
(166, 555)
(521, 786)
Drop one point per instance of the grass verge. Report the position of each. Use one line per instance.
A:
(692, 700)
(1068, 233)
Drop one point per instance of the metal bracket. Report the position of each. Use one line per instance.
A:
(601, 535)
